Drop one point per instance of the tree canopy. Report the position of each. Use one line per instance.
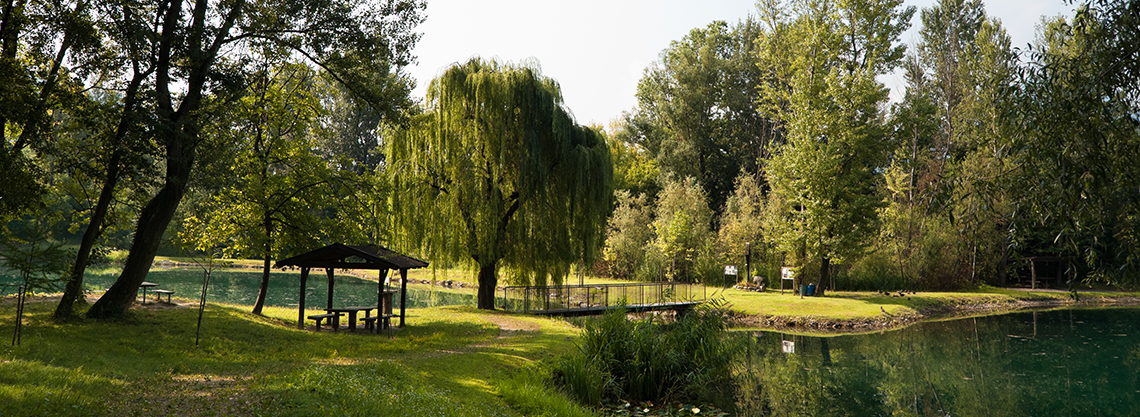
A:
(197, 55)
(496, 171)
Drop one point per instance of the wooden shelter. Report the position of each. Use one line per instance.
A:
(1063, 264)
(343, 256)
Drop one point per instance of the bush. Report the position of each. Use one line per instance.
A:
(875, 272)
(649, 360)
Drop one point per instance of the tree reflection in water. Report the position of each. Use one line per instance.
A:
(1065, 362)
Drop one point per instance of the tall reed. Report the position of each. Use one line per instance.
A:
(648, 359)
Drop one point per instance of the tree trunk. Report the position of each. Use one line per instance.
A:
(73, 292)
(264, 288)
(488, 281)
(824, 276)
(267, 223)
(152, 223)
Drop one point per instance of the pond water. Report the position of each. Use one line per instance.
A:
(241, 286)
(1051, 363)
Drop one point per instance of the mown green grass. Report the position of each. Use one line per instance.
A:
(448, 361)
(845, 306)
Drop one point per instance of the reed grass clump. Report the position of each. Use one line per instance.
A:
(649, 359)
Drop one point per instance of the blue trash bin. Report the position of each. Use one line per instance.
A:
(811, 289)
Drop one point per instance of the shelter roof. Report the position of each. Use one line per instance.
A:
(343, 256)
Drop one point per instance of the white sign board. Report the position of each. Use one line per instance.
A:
(789, 346)
(730, 269)
(788, 273)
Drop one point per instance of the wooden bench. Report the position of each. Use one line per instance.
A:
(332, 318)
(385, 321)
(159, 293)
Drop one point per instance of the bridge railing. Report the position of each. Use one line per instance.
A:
(537, 298)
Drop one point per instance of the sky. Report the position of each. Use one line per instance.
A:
(597, 50)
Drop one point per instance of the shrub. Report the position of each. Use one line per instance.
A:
(650, 360)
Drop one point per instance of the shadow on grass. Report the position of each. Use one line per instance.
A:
(147, 363)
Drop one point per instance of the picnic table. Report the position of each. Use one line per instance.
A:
(351, 313)
(145, 285)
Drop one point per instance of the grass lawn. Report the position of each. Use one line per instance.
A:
(854, 306)
(449, 361)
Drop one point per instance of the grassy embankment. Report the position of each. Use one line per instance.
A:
(448, 361)
(868, 311)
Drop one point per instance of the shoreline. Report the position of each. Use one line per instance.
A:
(824, 326)
(925, 307)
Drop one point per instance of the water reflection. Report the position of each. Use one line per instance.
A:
(240, 287)
(1070, 362)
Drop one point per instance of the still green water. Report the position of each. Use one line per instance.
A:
(1054, 363)
(240, 287)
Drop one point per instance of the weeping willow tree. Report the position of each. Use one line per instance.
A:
(496, 172)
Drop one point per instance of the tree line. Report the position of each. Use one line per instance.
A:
(231, 127)
(263, 129)
(250, 129)
(774, 134)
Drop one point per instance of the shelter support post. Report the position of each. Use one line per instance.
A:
(403, 294)
(381, 275)
(301, 299)
(330, 272)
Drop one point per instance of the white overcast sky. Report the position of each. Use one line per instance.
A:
(597, 49)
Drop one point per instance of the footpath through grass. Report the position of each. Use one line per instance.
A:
(448, 361)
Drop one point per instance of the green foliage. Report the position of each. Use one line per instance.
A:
(628, 234)
(649, 360)
(266, 206)
(528, 390)
(496, 170)
(953, 130)
(824, 177)
(32, 254)
(681, 227)
(741, 224)
(634, 170)
(696, 113)
(1079, 155)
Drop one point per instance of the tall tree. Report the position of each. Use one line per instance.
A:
(497, 172)
(824, 177)
(681, 230)
(966, 68)
(199, 50)
(278, 184)
(699, 104)
(628, 233)
(38, 39)
(1080, 152)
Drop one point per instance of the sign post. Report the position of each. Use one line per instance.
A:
(729, 270)
(787, 273)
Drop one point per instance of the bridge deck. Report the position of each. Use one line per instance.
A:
(595, 310)
(582, 300)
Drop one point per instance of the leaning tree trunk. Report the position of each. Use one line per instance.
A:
(73, 291)
(267, 225)
(152, 223)
(179, 135)
(264, 288)
(488, 281)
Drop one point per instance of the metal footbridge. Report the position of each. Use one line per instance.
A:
(584, 300)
